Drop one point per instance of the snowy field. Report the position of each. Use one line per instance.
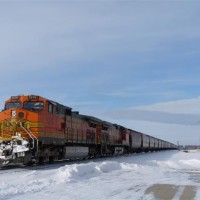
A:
(160, 175)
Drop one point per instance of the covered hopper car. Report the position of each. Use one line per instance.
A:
(34, 129)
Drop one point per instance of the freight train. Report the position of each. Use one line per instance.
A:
(34, 129)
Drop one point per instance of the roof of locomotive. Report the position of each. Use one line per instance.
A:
(91, 118)
(35, 97)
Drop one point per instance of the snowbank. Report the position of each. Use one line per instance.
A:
(85, 171)
(130, 177)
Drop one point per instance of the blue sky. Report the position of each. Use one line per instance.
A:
(135, 63)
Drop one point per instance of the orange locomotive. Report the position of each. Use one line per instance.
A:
(35, 129)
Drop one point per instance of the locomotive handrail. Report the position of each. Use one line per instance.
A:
(34, 137)
(31, 135)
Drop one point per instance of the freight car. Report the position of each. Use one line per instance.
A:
(34, 129)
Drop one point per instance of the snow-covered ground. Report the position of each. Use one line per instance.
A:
(160, 175)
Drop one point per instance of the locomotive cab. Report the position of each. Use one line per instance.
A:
(30, 102)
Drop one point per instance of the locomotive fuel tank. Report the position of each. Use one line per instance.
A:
(76, 152)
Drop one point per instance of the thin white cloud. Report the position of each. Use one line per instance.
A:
(183, 81)
(86, 103)
(155, 116)
(184, 106)
(115, 94)
(143, 92)
(183, 112)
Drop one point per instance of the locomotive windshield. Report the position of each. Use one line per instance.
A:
(34, 106)
(12, 105)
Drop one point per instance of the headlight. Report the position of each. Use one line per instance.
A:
(21, 115)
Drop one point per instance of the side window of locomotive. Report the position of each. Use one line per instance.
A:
(50, 108)
(55, 109)
(38, 105)
(12, 105)
(34, 106)
(58, 109)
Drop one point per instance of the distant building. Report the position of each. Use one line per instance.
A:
(192, 147)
